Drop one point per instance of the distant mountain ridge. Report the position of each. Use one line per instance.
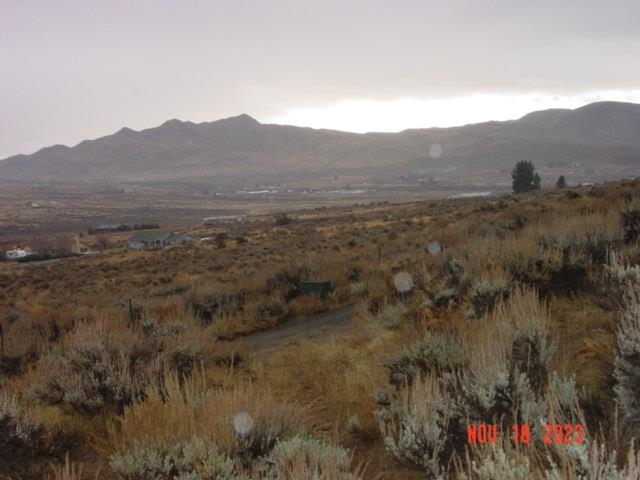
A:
(602, 137)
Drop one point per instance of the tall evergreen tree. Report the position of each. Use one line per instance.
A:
(562, 182)
(525, 178)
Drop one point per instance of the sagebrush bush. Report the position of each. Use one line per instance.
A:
(97, 366)
(390, 314)
(416, 429)
(209, 304)
(631, 223)
(498, 461)
(627, 360)
(485, 295)
(18, 432)
(446, 297)
(304, 457)
(433, 354)
(193, 460)
(498, 373)
(503, 461)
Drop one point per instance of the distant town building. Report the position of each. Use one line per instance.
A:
(18, 253)
(158, 239)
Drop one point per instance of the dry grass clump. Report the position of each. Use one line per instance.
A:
(68, 471)
(187, 430)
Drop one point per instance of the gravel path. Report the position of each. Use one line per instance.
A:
(322, 325)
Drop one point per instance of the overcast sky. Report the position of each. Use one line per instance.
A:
(71, 70)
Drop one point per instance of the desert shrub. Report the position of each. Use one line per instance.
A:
(508, 361)
(18, 432)
(497, 373)
(193, 460)
(24, 339)
(446, 297)
(433, 354)
(273, 308)
(417, 428)
(486, 294)
(207, 305)
(287, 281)
(97, 366)
(570, 277)
(621, 279)
(355, 274)
(303, 457)
(627, 360)
(499, 461)
(354, 425)
(594, 462)
(631, 223)
(11, 315)
(390, 315)
(453, 271)
(27, 439)
(282, 219)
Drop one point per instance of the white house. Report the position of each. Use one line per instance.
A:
(15, 254)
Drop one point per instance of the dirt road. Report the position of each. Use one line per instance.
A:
(322, 325)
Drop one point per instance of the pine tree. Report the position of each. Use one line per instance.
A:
(525, 178)
(561, 183)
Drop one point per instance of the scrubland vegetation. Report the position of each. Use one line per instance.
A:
(134, 365)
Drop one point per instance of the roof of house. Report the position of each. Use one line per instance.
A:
(149, 236)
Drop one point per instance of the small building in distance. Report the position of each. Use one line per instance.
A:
(158, 239)
(108, 228)
(17, 254)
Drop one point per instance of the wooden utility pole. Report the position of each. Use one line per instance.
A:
(1, 341)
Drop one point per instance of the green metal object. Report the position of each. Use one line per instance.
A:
(322, 289)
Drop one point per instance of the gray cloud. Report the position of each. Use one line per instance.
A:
(74, 69)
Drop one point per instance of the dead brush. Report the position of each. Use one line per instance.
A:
(184, 408)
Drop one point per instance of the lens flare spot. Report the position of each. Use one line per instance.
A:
(435, 151)
(242, 423)
(434, 248)
(403, 282)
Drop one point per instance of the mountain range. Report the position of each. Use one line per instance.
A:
(600, 140)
